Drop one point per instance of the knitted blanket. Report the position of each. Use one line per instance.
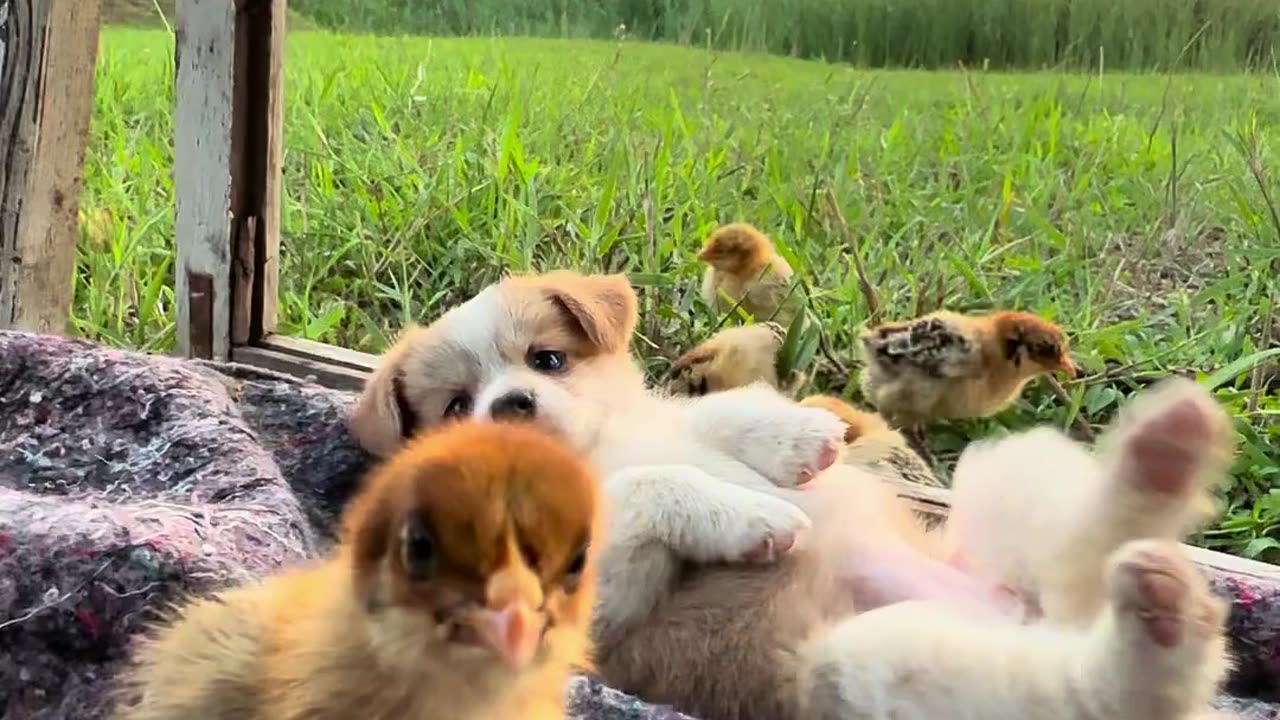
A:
(129, 481)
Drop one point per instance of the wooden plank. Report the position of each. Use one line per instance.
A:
(202, 298)
(242, 279)
(321, 352)
(256, 133)
(205, 61)
(329, 375)
(936, 502)
(267, 275)
(47, 59)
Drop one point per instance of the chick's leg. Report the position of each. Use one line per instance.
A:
(916, 438)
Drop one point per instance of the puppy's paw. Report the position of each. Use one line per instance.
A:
(762, 529)
(1153, 585)
(1174, 441)
(808, 440)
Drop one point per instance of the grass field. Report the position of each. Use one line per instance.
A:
(418, 170)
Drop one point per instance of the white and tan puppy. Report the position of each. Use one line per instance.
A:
(555, 350)
(729, 480)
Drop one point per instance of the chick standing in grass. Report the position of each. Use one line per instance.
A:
(745, 266)
(462, 590)
(950, 366)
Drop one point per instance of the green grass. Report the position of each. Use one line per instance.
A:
(419, 170)
(1027, 34)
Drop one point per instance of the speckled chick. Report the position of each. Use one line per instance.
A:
(949, 366)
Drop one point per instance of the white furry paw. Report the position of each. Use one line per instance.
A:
(807, 441)
(1173, 442)
(761, 529)
(1154, 585)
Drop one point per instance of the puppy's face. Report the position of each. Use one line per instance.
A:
(551, 349)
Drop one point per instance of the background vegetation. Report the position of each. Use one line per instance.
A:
(1132, 34)
(1138, 210)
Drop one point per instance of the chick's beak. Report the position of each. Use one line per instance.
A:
(1069, 367)
(512, 632)
(511, 624)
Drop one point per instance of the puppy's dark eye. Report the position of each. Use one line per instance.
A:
(418, 549)
(573, 573)
(547, 361)
(459, 406)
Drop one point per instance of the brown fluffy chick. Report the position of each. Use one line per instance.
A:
(461, 589)
(946, 365)
(743, 263)
(731, 358)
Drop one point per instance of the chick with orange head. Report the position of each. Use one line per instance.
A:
(744, 268)
(950, 366)
(461, 589)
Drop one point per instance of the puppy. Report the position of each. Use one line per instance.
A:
(695, 479)
(715, 483)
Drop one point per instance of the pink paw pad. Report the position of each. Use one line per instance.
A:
(826, 458)
(1169, 448)
(1157, 595)
(771, 548)
(1159, 612)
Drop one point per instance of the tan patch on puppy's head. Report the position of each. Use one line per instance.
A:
(602, 306)
(552, 349)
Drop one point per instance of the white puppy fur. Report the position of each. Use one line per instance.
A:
(1154, 652)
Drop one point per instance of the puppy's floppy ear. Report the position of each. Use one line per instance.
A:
(383, 418)
(603, 306)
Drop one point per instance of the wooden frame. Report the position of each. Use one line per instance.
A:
(228, 154)
(48, 50)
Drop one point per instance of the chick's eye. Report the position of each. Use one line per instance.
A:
(459, 406)
(573, 573)
(418, 549)
(547, 361)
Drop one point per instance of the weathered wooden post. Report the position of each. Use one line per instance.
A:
(48, 51)
(227, 154)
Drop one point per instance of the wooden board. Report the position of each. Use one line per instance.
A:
(268, 270)
(49, 50)
(257, 126)
(329, 366)
(202, 176)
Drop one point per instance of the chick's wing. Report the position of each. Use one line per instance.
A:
(930, 345)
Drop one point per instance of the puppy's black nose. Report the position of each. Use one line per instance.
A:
(515, 405)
